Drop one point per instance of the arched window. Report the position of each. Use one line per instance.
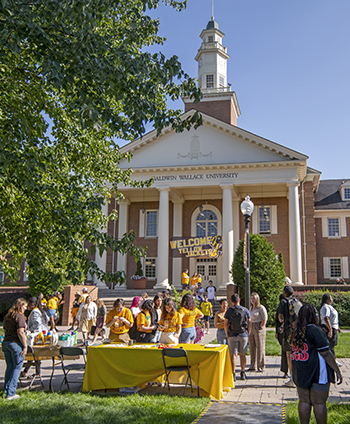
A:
(206, 224)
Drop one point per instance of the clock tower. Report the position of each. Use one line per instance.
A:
(218, 99)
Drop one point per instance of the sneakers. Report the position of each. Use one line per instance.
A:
(243, 375)
(289, 383)
(285, 375)
(251, 370)
(12, 397)
(339, 364)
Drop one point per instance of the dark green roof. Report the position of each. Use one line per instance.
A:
(212, 25)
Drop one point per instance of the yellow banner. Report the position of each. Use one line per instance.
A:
(208, 247)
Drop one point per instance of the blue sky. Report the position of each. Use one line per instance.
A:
(289, 67)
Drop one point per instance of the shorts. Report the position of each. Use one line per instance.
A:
(51, 312)
(206, 318)
(221, 336)
(99, 322)
(212, 301)
(85, 325)
(188, 335)
(237, 344)
(74, 312)
(320, 387)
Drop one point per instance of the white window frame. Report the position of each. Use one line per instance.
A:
(343, 187)
(344, 264)
(143, 223)
(209, 84)
(221, 78)
(155, 267)
(273, 220)
(210, 38)
(342, 226)
(330, 225)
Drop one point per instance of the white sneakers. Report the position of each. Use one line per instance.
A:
(289, 383)
(12, 397)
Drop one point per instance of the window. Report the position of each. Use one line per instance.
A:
(264, 220)
(151, 224)
(25, 276)
(210, 81)
(346, 193)
(333, 227)
(221, 81)
(150, 268)
(335, 267)
(210, 38)
(206, 224)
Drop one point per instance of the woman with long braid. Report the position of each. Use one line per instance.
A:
(313, 366)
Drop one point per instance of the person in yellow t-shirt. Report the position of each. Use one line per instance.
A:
(189, 313)
(145, 328)
(194, 281)
(185, 279)
(207, 309)
(83, 296)
(52, 310)
(186, 290)
(119, 320)
(170, 323)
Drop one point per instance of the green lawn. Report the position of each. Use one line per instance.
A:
(273, 348)
(337, 413)
(68, 408)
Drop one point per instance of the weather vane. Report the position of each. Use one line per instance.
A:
(212, 10)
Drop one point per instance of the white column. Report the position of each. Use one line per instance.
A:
(163, 240)
(236, 212)
(295, 263)
(123, 216)
(101, 261)
(227, 235)
(177, 232)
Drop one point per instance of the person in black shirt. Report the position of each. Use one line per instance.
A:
(313, 366)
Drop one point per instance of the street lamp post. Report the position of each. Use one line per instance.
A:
(247, 208)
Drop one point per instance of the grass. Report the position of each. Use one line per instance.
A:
(337, 413)
(70, 408)
(273, 348)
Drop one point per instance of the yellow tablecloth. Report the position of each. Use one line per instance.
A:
(111, 367)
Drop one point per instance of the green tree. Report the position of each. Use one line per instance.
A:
(267, 276)
(75, 77)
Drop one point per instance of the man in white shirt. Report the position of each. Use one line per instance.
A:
(211, 291)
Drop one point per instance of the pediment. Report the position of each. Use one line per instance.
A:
(213, 143)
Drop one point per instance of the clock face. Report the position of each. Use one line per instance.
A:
(200, 62)
(222, 61)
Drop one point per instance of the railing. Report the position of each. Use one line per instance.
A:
(217, 90)
(214, 45)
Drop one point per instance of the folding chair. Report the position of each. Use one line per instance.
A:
(73, 353)
(32, 363)
(182, 365)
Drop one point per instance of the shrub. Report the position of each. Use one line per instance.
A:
(7, 299)
(267, 276)
(341, 302)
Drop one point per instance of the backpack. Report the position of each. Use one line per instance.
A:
(293, 309)
(238, 321)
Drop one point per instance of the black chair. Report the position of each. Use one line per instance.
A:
(31, 363)
(73, 353)
(179, 357)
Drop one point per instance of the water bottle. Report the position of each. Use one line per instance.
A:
(75, 335)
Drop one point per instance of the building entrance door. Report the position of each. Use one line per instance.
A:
(207, 267)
